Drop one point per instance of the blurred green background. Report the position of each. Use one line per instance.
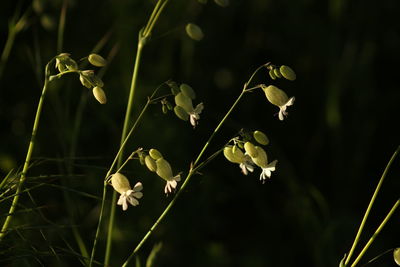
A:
(331, 149)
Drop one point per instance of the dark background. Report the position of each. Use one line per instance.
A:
(332, 149)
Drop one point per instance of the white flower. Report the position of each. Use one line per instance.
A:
(282, 109)
(236, 155)
(247, 166)
(261, 160)
(128, 195)
(278, 98)
(194, 115)
(164, 171)
(171, 184)
(131, 196)
(267, 171)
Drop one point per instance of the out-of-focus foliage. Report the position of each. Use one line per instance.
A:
(331, 149)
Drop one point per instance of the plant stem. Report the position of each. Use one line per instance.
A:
(378, 187)
(28, 156)
(143, 37)
(191, 171)
(378, 230)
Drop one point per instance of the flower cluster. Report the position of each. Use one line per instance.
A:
(253, 155)
(88, 78)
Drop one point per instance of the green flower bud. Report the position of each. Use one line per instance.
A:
(396, 256)
(261, 159)
(150, 163)
(272, 74)
(86, 78)
(97, 60)
(275, 95)
(97, 81)
(222, 3)
(164, 169)
(174, 87)
(99, 95)
(233, 154)
(169, 105)
(261, 138)
(184, 101)
(187, 91)
(194, 32)
(277, 73)
(164, 109)
(181, 113)
(287, 73)
(155, 154)
(250, 149)
(120, 183)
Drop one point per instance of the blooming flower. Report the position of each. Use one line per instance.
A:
(185, 102)
(261, 160)
(164, 171)
(236, 155)
(128, 195)
(278, 98)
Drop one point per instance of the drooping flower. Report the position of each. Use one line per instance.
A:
(278, 98)
(164, 171)
(185, 102)
(128, 195)
(236, 155)
(261, 160)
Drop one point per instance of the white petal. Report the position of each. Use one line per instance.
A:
(138, 187)
(137, 194)
(133, 201)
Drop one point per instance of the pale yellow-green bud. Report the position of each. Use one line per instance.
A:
(233, 155)
(97, 81)
(164, 169)
(275, 95)
(85, 81)
(277, 73)
(250, 149)
(155, 154)
(97, 60)
(396, 256)
(261, 159)
(272, 74)
(184, 101)
(261, 138)
(194, 31)
(287, 73)
(99, 95)
(187, 90)
(120, 183)
(150, 163)
(181, 113)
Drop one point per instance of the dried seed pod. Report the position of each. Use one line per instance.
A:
(287, 73)
(187, 90)
(181, 113)
(261, 138)
(150, 163)
(155, 154)
(120, 183)
(97, 60)
(99, 95)
(250, 149)
(194, 31)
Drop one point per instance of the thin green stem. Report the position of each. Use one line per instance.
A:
(378, 230)
(378, 187)
(28, 156)
(191, 171)
(61, 27)
(141, 42)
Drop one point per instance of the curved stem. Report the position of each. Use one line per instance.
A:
(22, 178)
(191, 171)
(378, 230)
(378, 187)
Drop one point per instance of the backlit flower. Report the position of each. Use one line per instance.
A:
(128, 195)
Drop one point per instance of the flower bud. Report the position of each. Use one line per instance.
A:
(164, 169)
(120, 183)
(396, 256)
(97, 60)
(97, 81)
(174, 87)
(287, 73)
(155, 154)
(194, 31)
(233, 156)
(150, 163)
(99, 95)
(181, 113)
(277, 73)
(184, 101)
(187, 91)
(261, 138)
(250, 149)
(275, 95)
(272, 74)
(85, 81)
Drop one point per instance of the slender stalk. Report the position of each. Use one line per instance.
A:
(378, 230)
(61, 27)
(143, 37)
(191, 171)
(28, 156)
(378, 187)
